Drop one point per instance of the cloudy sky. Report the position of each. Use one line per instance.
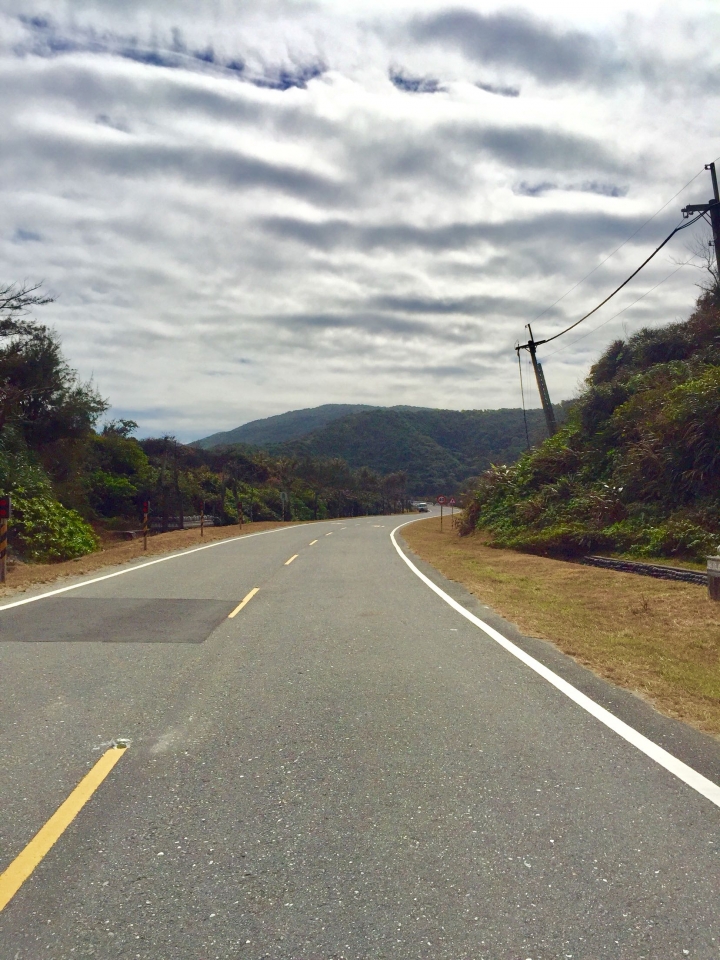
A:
(272, 205)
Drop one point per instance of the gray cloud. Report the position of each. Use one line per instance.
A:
(501, 90)
(538, 147)
(525, 43)
(468, 306)
(589, 186)
(193, 162)
(564, 228)
(26, 236)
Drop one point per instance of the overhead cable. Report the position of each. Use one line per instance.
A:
(641, 297)
(612, 254)
(687, 223)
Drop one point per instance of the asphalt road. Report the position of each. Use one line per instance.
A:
(347, 768)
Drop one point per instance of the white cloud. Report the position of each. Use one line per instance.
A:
(287, 204)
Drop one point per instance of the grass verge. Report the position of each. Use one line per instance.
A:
(655, 637)
(21, 576)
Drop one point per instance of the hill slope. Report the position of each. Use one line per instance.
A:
(438, 449)
(283, 427)
(636, 467)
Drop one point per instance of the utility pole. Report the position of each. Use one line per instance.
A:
(713, 208)
(531, 346)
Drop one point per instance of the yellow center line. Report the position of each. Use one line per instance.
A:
(293, 557)
(329, 534)
(26, 861)
(312, 542)
(247, 599)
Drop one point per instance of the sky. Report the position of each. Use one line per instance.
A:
(264, 206)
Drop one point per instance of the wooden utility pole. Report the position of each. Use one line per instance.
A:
(713, 208)
(531, 346)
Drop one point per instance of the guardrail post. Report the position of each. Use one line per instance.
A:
(713, 577)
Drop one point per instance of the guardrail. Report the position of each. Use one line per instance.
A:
(648, 569)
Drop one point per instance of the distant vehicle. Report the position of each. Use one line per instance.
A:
(422, 507)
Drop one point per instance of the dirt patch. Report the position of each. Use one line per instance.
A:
(658, 638)
(21, 576)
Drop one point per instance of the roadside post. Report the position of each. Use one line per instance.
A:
(451, 501)
(240, 513)
(146, 511)
(5, 515)
(713, 577)
(442, 501)
(202, 519)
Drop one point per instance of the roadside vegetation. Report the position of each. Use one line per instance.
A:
(76, 482)
(635, 468)
(658, 638)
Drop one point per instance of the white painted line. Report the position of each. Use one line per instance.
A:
(705, 787)
(293, 557)
(329, 534)
(141, 566)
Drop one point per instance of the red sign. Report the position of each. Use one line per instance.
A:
(441, 499)
(451, 501)
(5, 509)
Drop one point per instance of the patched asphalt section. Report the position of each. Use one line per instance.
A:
(698, 750)
(116, 620)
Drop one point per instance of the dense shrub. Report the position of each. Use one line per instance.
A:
(636, 466)
(43, 530)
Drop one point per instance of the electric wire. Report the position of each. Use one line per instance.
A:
(641, 297)
(642, 225)
(625, 282)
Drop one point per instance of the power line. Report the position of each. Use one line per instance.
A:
(642, 225)
(641, 297)
(683, 226)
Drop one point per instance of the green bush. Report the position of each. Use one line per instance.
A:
(45, 531)
(636, 467)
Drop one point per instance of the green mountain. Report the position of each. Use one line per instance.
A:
(437, 449)
(636, 467)
(285, 426)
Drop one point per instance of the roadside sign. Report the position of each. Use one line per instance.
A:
(5, 508)
(441, 499)
(451, 501)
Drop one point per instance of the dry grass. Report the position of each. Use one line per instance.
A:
(655, 637)
(21, 576)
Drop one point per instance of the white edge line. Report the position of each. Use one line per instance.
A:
(141, 566)
(682, 771)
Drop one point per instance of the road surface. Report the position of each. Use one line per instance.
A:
(346, 768)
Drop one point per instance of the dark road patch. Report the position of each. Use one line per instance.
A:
(122, 620)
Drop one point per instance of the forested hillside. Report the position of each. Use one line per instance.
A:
(283, 427)
(636, 467)
(438, 449)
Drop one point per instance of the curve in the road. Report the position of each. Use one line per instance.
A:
(682, 771)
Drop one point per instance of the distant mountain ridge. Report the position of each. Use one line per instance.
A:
(438, 449)
(285, 426)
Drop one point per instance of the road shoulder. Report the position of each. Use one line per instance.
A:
(694, 747)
